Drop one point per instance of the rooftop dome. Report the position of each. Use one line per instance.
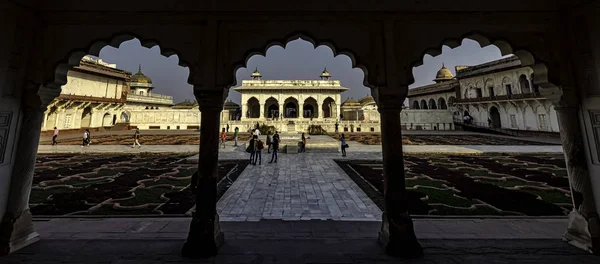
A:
(325, 73)
(230, 105)
(139, 77)
(367, 99)
(256, 72)
(444, 74)
(350, 101)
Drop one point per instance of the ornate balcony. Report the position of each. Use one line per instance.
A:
(509, 97)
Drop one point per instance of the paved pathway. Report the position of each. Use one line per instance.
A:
(152, 241)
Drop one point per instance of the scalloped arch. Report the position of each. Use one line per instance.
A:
(74, 57)
(282, 42)
(527, 59)
(310, 97)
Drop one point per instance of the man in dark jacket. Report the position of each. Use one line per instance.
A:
(275, 144)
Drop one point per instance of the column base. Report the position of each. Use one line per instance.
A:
(18, 234)
(204, 239)
(583, 233)
(399, 240)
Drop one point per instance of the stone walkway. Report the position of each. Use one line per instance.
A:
(153, 240)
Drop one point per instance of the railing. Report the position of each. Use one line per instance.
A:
(87, 98)
(151, 98)
(499, 98)
(487, 126)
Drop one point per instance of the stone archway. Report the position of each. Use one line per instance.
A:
(310, 108)
(424, 104)
(107, 120)
(495, 117)
(124, 117)
(415, 105)
(329, 108)
(442, 103)
(253, 108)
(290, 109)
(271, 108)
(432, 104)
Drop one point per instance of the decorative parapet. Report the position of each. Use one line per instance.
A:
(152, 98)
(525, 96)
(94, 99)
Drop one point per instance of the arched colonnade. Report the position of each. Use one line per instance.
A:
(374, 43)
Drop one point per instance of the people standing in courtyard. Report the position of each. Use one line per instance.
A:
(257, 125)
(89, 137)
(250, 148)
(269, 141)
(55, 136)
(136, 138)
(223, 137)
(227, 128)
(275, 147)
(336, 127)
(303, 146)
(236, 132)
(257, 131)
(258, 146)
(343, 145)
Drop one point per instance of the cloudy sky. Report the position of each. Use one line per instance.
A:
(298, 61)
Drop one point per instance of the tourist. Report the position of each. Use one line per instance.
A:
(336, 127)
(227, 128)
(303, 146)
(269, 141)
(136, 138)
(250, 148)
(257, 125)
(236, 133)
(85, 139)
(343, 145)
(223, 137)
(489, 122)
(341, 117)
(257, 131)
(258, 146)
(275, 147)
(89, 137)
(55, 136)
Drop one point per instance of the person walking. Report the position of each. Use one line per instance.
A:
(303, 148)
(250, 148)
(269, 142)
(89, 137)
(55, 136)
(236, 132)
(336, 127)
(85, 139)
(223, 137)
(136, 138)
(258, 147)
(275, 147)
(343, 145)
(227, 128)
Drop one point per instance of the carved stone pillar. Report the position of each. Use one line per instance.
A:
(205, 236)
(262, 112)
(397, 234)
(16, 227)
(584, 225)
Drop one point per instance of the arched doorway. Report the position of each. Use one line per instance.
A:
(309, 109)
(432, 104)
(291, 108)
(423, 104)
(415, 105)
(272, 108)
(329, 108)
(114, 121)
(253, 108)
(106, 120)
(124, 117)
(495, 117)
(86, 117)
(524, 84)
(442, 103)
(451, 101)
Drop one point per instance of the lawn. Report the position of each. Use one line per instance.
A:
(526, 185)
(119, 184)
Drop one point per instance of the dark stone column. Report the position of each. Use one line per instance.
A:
(397, 235)
(205, 236)
(584, 224)
(16, 227)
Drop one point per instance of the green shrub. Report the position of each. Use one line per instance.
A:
(316, 130)
(264, 129)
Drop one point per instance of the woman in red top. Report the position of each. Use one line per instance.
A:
(223, 137)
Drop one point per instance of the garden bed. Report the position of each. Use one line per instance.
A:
(375, 139)
(526, 185)
(119, 184)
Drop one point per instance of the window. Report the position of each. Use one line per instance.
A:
(358, 129)
(543, 122)
(68, 118)
(508, 89)
(372, 129)
(491, 91)
(478, 91)
(513, 121)
(141, 92)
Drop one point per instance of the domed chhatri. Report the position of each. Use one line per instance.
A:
(325, 75)
(256, 74)
(139, 77)
(350, 101)
(444, 74)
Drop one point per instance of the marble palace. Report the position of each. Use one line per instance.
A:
(498, 94)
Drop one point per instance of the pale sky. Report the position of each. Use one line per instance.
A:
(299, 60)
